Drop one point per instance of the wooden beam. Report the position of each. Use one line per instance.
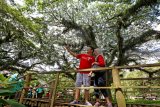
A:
(51, 91)
(121, 67)
(54, 91)
(153, 78)
(91, 87)
(116, 82)
(101, 68)
(26, 84)
(113, 87)
(137, 66)
(139, 86)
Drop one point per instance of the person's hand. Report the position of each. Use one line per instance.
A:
(66, 47)
(95, 63)
(90, 74)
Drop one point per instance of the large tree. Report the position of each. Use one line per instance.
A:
(118, 27)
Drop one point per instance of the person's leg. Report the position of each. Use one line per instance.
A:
(77, 91)
(86, 95)
(38, 95)
(96, 92)
(77, 94)
(96, 78)
(97, 103)
(86, 83)
(102, 83)
(107, 100)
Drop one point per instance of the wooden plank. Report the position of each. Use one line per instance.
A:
(146, 92)
(39, 100)
(77, 105)
(91, 87)
(42, 105)
(140, 78)
(101, 68)
(35, 103)
(28, 102)
(27, 82)
(113, 87)
(39, 104)
(137, 66)
(139, 86)
(146, 105)
(119, 95)
(54, 91)
(24, 101)
(121, 67)
(51, 91)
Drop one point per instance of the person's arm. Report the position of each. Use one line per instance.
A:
(72, 53)
(90, 73)
(95, 63)
(101, 61)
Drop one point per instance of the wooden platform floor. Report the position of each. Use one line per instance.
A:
(59, 103)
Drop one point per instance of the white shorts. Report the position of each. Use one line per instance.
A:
(82, 79)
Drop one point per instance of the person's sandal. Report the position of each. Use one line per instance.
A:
(97, 104)
(74, 102)
(109, 105)
(88, 103)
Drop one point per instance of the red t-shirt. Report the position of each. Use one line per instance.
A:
(100, 60)
(85, 61)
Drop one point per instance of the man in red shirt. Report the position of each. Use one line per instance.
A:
(86, 61)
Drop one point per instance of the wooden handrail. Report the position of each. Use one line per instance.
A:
(153, 78)
(101, 68)
(121, 67)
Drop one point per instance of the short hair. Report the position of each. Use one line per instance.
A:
(86, 48)
(99, 51)
(91, 47)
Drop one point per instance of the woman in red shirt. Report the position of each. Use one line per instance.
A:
(100, 78)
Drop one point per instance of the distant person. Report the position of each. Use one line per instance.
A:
(39, 91)
(100, 78)
(34, 93)
(48, 94)
(86, 60)
(29, 94)
(6, 73)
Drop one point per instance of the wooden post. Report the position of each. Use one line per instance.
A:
(51, 89)
(54, 91)
(119, 95)
(26, 84)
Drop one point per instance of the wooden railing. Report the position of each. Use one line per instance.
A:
(116, 83)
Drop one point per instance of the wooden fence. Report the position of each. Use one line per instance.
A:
(120, 98)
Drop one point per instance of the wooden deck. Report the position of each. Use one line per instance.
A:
(45, 103)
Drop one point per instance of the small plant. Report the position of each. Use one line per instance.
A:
(5, 90)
